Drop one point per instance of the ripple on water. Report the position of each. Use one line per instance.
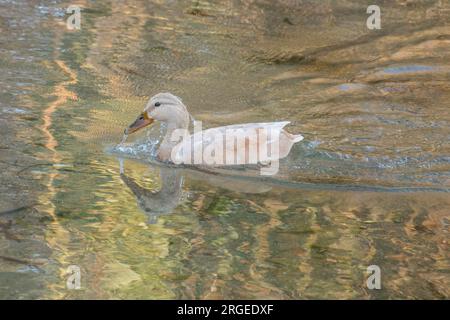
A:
(408, 69)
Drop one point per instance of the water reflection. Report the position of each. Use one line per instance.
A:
(163, 201)
(282, 242)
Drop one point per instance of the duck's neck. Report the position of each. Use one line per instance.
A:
(172, 137)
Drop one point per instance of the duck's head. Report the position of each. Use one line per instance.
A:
(164, 107)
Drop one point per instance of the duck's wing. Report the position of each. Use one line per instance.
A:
(263, 125)
(204, 142)
(236, 130)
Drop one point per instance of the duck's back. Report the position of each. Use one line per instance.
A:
(238, 144)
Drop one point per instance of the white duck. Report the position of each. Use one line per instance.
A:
(249, 143)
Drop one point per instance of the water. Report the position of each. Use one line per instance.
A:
(368, 185)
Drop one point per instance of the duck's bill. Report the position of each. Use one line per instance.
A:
(141, 122)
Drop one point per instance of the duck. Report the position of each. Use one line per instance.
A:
(237, 144)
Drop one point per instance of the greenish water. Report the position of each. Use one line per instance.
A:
(368, 185)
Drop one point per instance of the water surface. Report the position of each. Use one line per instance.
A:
(368, 185)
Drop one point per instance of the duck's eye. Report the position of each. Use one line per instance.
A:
(141, 117)
(157, 104)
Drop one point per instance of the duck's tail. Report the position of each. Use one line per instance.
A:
(297, 137)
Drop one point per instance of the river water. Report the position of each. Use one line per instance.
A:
(369, 185)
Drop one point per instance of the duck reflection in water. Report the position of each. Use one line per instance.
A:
(156, 203)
